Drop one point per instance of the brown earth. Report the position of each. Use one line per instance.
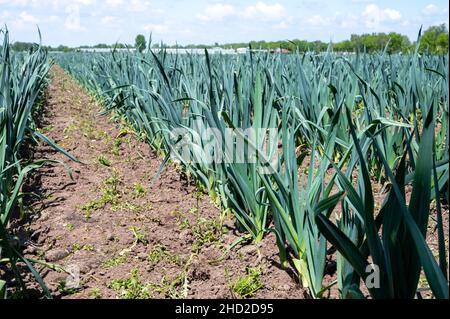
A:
(124, 238)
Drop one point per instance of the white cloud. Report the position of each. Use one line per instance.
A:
(263, 11)
(18, 3)
(114, 3)
(54, 4)
(217, 12)
(21, 21)
(156, 28)
(138, 5)
(430, 9)
(73, 26)
(405, 23)
(374, 15)
(28, 18)
(345, 21)
(53, 18)
(283, 25)
(158, 11)
(73, 19)
(84, 2)
(349, 21)
(392, 14)
(109, 20)
(318, 21)
(5, 14)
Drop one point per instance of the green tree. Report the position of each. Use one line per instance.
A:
(23, 46)
(140, 43)
(63, 48)
(357, 42)
(398, 42)
(433, 39)
(442, 43)
(101, 46)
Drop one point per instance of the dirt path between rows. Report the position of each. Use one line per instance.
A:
(127, 240)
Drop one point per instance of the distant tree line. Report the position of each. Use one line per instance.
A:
(63, 48)
(23, 46)
(434, 40)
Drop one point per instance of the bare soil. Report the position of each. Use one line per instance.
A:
(123, 237)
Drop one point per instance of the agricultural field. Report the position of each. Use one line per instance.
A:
(142, 175)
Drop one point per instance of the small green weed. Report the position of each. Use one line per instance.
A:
(246, 286)
(102, 160)
(131, 287)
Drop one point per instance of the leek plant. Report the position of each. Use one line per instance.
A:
(23, 78)
(295, 199)
(401, 252)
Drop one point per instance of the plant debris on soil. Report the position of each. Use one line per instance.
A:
(118, 236)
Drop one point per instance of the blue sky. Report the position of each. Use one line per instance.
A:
(76, 22)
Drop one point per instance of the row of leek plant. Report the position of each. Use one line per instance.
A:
(23, 78)
(306, 97)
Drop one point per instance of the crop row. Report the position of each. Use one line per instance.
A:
(315, 133)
